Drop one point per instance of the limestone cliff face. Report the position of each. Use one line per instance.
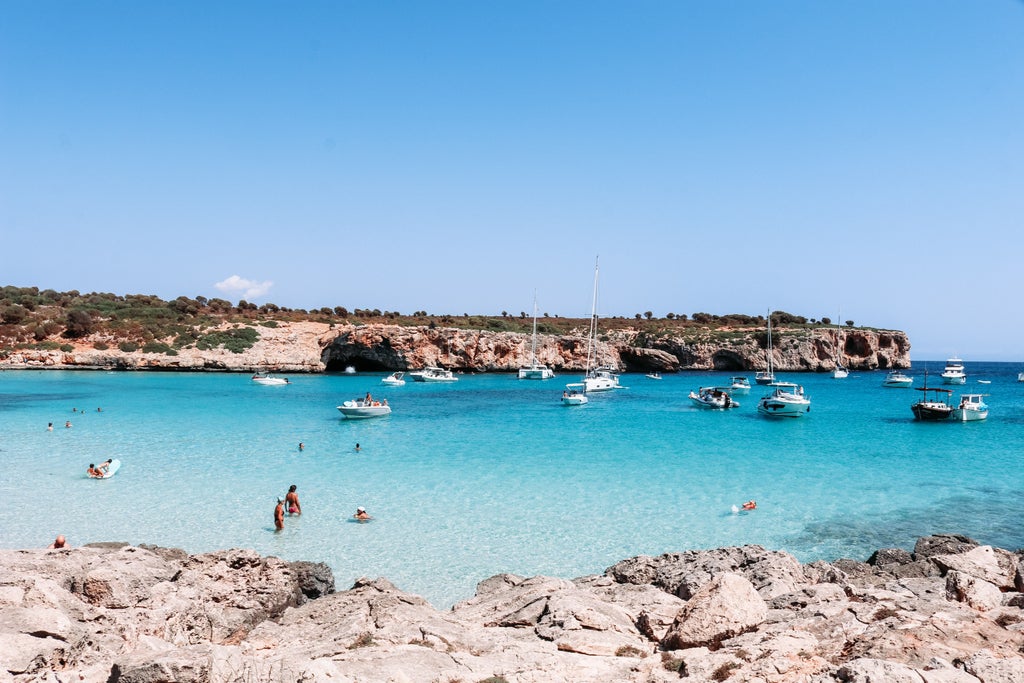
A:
(318, 347)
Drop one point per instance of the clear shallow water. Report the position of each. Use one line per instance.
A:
(491, 474)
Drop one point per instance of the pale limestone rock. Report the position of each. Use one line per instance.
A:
(990, 667)
(978, 593)
(996, 566)
(877, 671)
(725, 607)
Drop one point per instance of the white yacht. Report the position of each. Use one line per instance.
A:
(786, 400)
(395, 379)
(954, 372)
(897, 380)
(361, 408)
(972, 408)
(535, 370)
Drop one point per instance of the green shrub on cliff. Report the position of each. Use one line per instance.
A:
(235, 341)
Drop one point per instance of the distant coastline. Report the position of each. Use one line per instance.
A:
(49, 329)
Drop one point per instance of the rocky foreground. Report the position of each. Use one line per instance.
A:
(949, 612)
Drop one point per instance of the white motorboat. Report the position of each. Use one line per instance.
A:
(350, 369)
(897, 380)
(739, 385)
(597, 378)
(767, 376)
(360, 408)
(535, 370)
(1020, 376)
(267, 380)
(395, 379)
(840, 372)
(653, 375)
(574, 395)
(954, 372)
(785, 400)
(972, 408)
(434, 374)
(713, 397)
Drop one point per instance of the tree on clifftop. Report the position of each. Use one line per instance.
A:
(79, 324)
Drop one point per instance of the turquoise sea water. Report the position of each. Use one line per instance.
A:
(492, 474)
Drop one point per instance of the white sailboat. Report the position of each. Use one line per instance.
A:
(535, 370)
(597, 378)
(767, 376)
(840, 371)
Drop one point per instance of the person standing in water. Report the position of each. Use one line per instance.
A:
(279, 515)
(292, 499)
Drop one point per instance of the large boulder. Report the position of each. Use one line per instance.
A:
(726, 607)
(683, 574)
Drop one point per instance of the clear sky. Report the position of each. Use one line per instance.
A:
(724, 156)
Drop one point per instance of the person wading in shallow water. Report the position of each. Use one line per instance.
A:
(292, 499)
(279, 515)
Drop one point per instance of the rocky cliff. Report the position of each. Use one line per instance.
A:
(948, 612)
(316, 347)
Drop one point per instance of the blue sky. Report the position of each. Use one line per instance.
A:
(453, 157)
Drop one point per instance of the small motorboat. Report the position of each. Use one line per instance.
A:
(972, 408)
(713, 397)
(575, 395)
(739, 385)
(653, 375)
(350, 369)
(266, 380)
(360, 408)
(434, 374)
(395, 379)
(786, 400)
(897, 380)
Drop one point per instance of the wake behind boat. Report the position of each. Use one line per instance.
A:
(361, 408)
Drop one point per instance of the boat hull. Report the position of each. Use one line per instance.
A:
(539, 372)
(358, 410)
(601, 384)
(953, 379)
(764, 378)
(968, 415)
(930, 411)
(577, 400)
(776, 407)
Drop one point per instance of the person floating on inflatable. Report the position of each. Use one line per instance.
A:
(750, 505)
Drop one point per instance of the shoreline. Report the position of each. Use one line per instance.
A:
(950, 610)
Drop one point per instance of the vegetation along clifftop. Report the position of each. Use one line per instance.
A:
(101, 330)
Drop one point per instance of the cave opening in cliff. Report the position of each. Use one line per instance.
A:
(360, 365)
(727, 361)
